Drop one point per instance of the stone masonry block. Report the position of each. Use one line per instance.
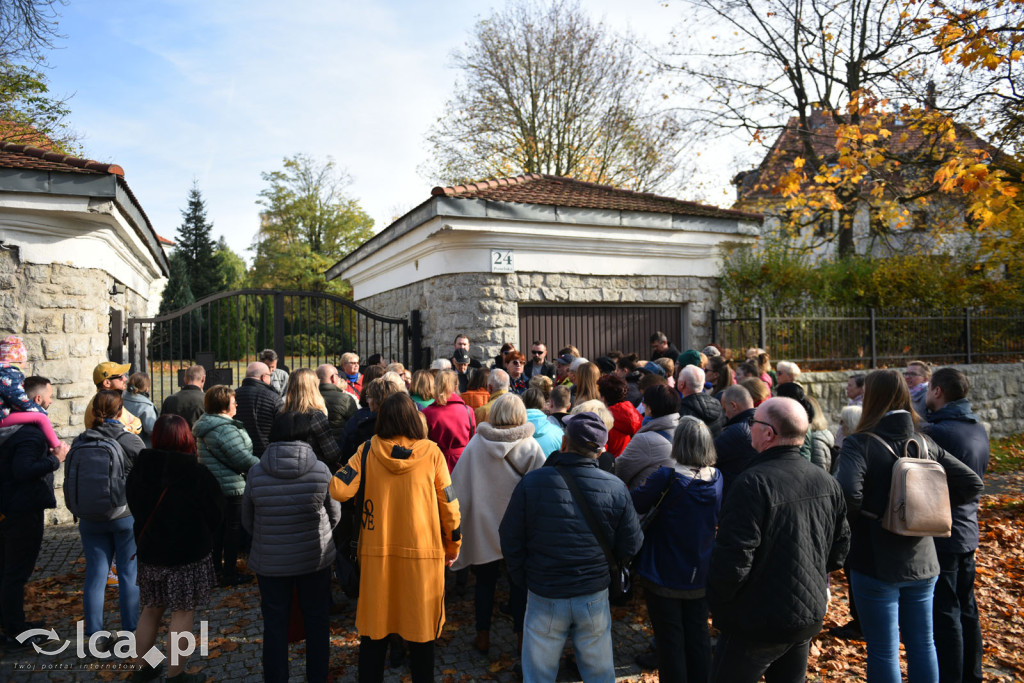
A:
(55, 348)
(80, 323)
(74, 390)
(42, 322)
(37, 273)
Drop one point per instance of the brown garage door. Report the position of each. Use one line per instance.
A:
(596, 330)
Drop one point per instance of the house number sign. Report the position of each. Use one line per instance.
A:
(502, 261)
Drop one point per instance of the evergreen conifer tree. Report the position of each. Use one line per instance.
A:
(197, 248)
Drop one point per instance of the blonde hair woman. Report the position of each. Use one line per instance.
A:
(422, 388)
(303, 397)
(491, 466)
(545, 384)
(450, 422)
(587, 375)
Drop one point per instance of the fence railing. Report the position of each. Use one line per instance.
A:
(832, 338)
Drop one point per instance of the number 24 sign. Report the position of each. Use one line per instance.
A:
(502, 261)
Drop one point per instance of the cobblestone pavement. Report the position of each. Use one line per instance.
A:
(235, 631)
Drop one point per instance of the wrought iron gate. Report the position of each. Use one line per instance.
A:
(225, 332)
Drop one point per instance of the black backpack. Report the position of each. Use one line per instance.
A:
(94, 478)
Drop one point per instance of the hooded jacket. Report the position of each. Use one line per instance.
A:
(411, 521)
(627, 422)
(225, 450)
(450, 426)
(677, 545)
(26, 470)
(258, 404)
(649, 449)
(289, 512)
(179, 528)
(957, 429)
(547, 433)
(706, 409)
(782, 528)
(492, 464)
(142, 407)
(865, 473)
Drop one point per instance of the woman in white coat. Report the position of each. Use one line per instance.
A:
(501, 452)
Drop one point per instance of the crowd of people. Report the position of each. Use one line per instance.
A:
(716, 479)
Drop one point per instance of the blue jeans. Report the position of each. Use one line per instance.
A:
(586, 618)
(101, 542)
(889, 611)
(955, 612)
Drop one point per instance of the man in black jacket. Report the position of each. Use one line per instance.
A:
(258, 404)
(698, 404)
(26, 484)
(537, 362)
(954, 427)
(341, 405)
(733, 445)
(188, 401)
(781, 531)
(551, 551)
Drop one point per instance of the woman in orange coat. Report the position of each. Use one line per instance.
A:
(410, 531)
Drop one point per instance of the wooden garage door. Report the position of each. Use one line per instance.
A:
(596, 330)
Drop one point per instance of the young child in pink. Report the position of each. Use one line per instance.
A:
(17, 408)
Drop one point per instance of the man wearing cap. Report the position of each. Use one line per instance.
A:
(551, 551)
(462, 342)
(781, 530)
(461, 363)
(188, 401)
(113, 376)
(538, 364)
(562, 364)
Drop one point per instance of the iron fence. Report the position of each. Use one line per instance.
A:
(832, 338)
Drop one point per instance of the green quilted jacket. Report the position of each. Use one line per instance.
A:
(226, 450)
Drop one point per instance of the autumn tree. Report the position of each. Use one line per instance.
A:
(29, 113)
(307, 224)
(769, 66)
(545, 89)
(231, 269)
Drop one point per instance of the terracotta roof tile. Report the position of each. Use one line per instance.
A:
(17, 156)
(535, 188)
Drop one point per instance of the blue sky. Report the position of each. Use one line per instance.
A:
(220, 91)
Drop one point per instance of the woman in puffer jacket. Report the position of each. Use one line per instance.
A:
(673, 563)
(496, 459)
(627, 421)
(226, 450)
(289, 512)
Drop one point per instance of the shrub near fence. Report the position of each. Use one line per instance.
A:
(832, 338)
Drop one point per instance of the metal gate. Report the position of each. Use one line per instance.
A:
(598, 329)
(225, 332)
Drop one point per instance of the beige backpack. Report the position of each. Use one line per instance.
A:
(918, 493)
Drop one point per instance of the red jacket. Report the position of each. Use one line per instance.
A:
(451, 426)
(627, 422)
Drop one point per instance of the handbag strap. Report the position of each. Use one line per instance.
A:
(922, 450)
(588, 514)
(653, 512)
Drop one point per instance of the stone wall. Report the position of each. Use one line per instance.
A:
(63, 315)
(996, 395)
(485, 306)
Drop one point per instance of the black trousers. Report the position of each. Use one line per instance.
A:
(315, 602)
(486, 583)
(955, 619)
(738, 660)
(372, 654)
(228, 539)
(21, 537)
(681, 638)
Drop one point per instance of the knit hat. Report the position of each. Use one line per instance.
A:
(586, 429)
(12, 350)
(689, 357)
